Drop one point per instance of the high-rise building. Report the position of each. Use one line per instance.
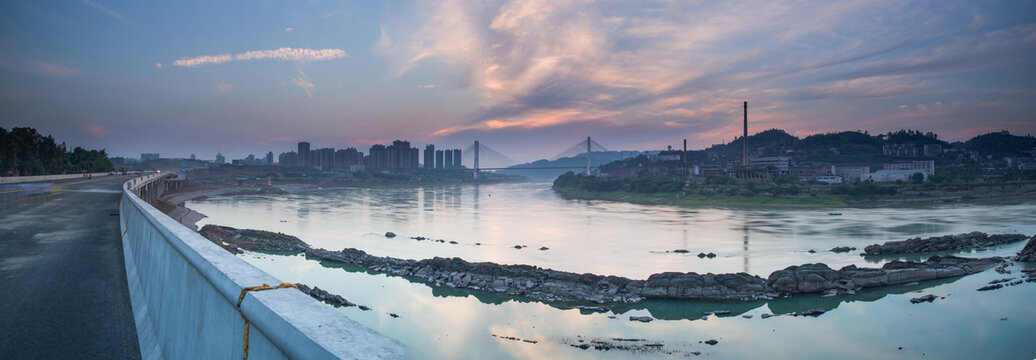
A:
(269, 158)
(347, 158)
(324, 158)
(456, 159)
(379, 157)
(448, 159)
(305, 156)
(438, 159)
(220, 159)
(429, 156)
(399, 155)
(402, 157)
(193, 158)
(288, 159)
(415, 154)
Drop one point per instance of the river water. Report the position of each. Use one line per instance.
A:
(634, 241)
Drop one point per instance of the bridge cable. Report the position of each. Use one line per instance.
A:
(580, 148)
(241, 298)
(493, 155)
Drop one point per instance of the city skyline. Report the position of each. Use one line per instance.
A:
(523, 77)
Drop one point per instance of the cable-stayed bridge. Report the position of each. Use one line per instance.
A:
(479, 151)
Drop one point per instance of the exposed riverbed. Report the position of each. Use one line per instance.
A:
(633, 240)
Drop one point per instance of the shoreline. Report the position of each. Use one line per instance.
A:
(917, 197)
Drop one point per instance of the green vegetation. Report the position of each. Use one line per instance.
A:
(913, 137)
(721, 190)
(863, 189)
(24, 152)
(1001, 144)
(682, 199)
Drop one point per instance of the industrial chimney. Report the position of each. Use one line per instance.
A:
(744, 140)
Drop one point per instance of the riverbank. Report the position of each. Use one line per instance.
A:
(682, 199)
(902, 195)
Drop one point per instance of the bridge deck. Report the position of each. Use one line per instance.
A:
(64, 291)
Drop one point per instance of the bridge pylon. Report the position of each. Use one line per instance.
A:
(587, 156)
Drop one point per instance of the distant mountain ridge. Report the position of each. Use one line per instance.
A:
(839, 147)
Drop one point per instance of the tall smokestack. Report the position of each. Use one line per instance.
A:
(744, 140)
(684, 151)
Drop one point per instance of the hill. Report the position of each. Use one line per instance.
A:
(1001, 144)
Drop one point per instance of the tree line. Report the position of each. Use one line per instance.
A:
(25, 152)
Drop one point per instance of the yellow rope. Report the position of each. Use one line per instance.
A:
(241, 298)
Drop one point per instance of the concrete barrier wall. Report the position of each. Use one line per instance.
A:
(184, 291)
(42, 178)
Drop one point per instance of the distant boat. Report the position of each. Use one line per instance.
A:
(835, 214)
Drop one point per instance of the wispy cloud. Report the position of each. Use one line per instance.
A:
(303, 82)
(663, 62)
(39, 68)
(284, 54)
(223, 88)
(103, 9)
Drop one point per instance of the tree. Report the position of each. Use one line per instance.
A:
(917, 178)
(23, 152)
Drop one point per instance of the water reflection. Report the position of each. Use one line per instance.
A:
(744, 230)
(671, 309)
(593, 236)
(450, 323)
(632, 240)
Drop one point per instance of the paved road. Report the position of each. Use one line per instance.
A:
(62, 278)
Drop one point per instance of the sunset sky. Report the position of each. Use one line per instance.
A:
(528, 79)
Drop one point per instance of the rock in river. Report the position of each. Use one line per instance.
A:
(926, 298)
(390, 234)
(973, 240)
(566, 287)
(1028, 254)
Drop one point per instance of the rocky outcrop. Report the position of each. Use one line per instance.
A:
(973, 240)
(1028, 253)
(559, 286)
(812, 278)
(319, 294)
(565, 287)
(254, 240)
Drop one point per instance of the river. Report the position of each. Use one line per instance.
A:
(634, 241)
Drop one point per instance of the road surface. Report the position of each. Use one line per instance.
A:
(63, 287)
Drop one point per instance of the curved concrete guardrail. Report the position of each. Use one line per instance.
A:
(185, 289)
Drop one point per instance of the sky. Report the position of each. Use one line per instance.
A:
(528, 79)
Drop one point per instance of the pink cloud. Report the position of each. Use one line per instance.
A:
(97, 130)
